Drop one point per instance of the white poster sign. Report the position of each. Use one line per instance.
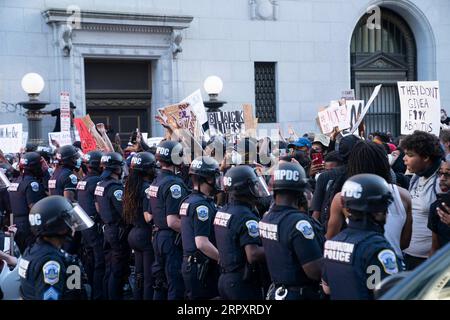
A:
(154, 141)
(196, 102)
(11, 137)
(334, 116)
(64, 107)
(420, 106)
(348, 95)
(366, 108)
(60, 138)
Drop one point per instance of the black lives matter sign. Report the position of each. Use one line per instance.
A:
(226, 123)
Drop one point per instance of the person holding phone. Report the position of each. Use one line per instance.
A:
(439, 219)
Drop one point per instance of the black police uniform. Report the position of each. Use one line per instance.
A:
(289, 242)
(62, 180)
(43, 273)
(140, 240)
(236, 226)
(352, 256)
(92, 237)
(109, 194)
(23, 192)
(200, 274)
(166, 193)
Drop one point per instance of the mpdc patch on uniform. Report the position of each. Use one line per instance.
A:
(253, 228)
(51, 294)
(51, 270)
(202, 213)
(118, 195)
(73, 179)
(175, 190)
(35, 186)
(305, 228)
(388, 260)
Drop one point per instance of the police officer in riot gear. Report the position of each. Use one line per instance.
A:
(135, 206)
(63, 182)
(360, 254)
(24, 192)
(292, 246)
(44, 269)
(92, 238)
(165, 196)
(108, 198)
(200, 256)
(237, 235)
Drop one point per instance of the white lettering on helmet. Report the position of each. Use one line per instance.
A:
(136, 160)
(196, 164)
(105, 158)
(352, 190)
(288, 175)
(227, 181)
(162, 151)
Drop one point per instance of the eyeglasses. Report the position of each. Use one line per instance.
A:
(445, 174)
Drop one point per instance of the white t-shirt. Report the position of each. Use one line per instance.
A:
(423, 193)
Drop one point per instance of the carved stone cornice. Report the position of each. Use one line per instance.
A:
(118, 103)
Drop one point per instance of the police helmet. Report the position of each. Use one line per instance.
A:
(10, 158)
(30, 161)
(92, 159)
(112, 160)
(366, 193)
(143, 161)
(56, 216)
(67, 155)
(169, 152)
(289, 176)
(244, 181)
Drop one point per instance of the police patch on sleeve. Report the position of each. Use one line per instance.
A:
(202, 213)
(175, 190)
(51, 270)
(305, 228)
(253, 228)
(388, 260)
(51, 294)
(73, 179)
(118, 195)
(35, 186)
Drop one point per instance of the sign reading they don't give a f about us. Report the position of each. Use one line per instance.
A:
(420, 107)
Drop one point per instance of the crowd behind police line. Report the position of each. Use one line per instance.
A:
(141, 223)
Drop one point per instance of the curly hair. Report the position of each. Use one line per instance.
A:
(132, 203)
(369, 157)
(445, 136)
(424, 144)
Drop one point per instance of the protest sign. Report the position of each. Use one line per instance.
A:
(354, 111)
(24, 138)
(251, 123)
(154, 141)
(226, 123)
(348, 95)
(366, 108)
(11, 137)
(334, 116)
(88, 142)
(64, 107)
(101, 144)
(420, 106)
(195, 100)
(59, 138)
(179, 116)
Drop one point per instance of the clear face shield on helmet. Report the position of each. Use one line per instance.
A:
(259, 188)
(79, 219)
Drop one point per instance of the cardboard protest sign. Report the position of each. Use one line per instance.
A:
(226, 123)
(59, 138)
(11, 137)
(366, 108)
(195, 100)
(348, 95)
(179, 116)
(64, 107)
(251, 123)
(354, 111)
(101, 144)
(334, 116)
(420, 106)
(88, 142)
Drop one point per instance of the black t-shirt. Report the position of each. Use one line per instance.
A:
(437, 226)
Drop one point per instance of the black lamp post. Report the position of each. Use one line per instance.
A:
(33, 84)
(213, 86)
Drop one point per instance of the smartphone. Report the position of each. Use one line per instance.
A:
(317, 158)
(443, 198)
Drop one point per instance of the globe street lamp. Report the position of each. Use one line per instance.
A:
(213, 86)
(33, 84)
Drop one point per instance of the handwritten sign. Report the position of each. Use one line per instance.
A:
(348, 95)
(226, 123)
(195, 100)
(179, 116)
(375, 93)
(64, 107)
(61, 138)
(334, 116)
(420, 106)
(87, 140)
(11, 137)
(354, 111)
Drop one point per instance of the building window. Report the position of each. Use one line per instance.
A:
(265, 94)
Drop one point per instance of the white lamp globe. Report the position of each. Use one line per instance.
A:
(213, 85)
(32, 83)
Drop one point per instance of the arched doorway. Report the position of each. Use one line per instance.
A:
(385, 56)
